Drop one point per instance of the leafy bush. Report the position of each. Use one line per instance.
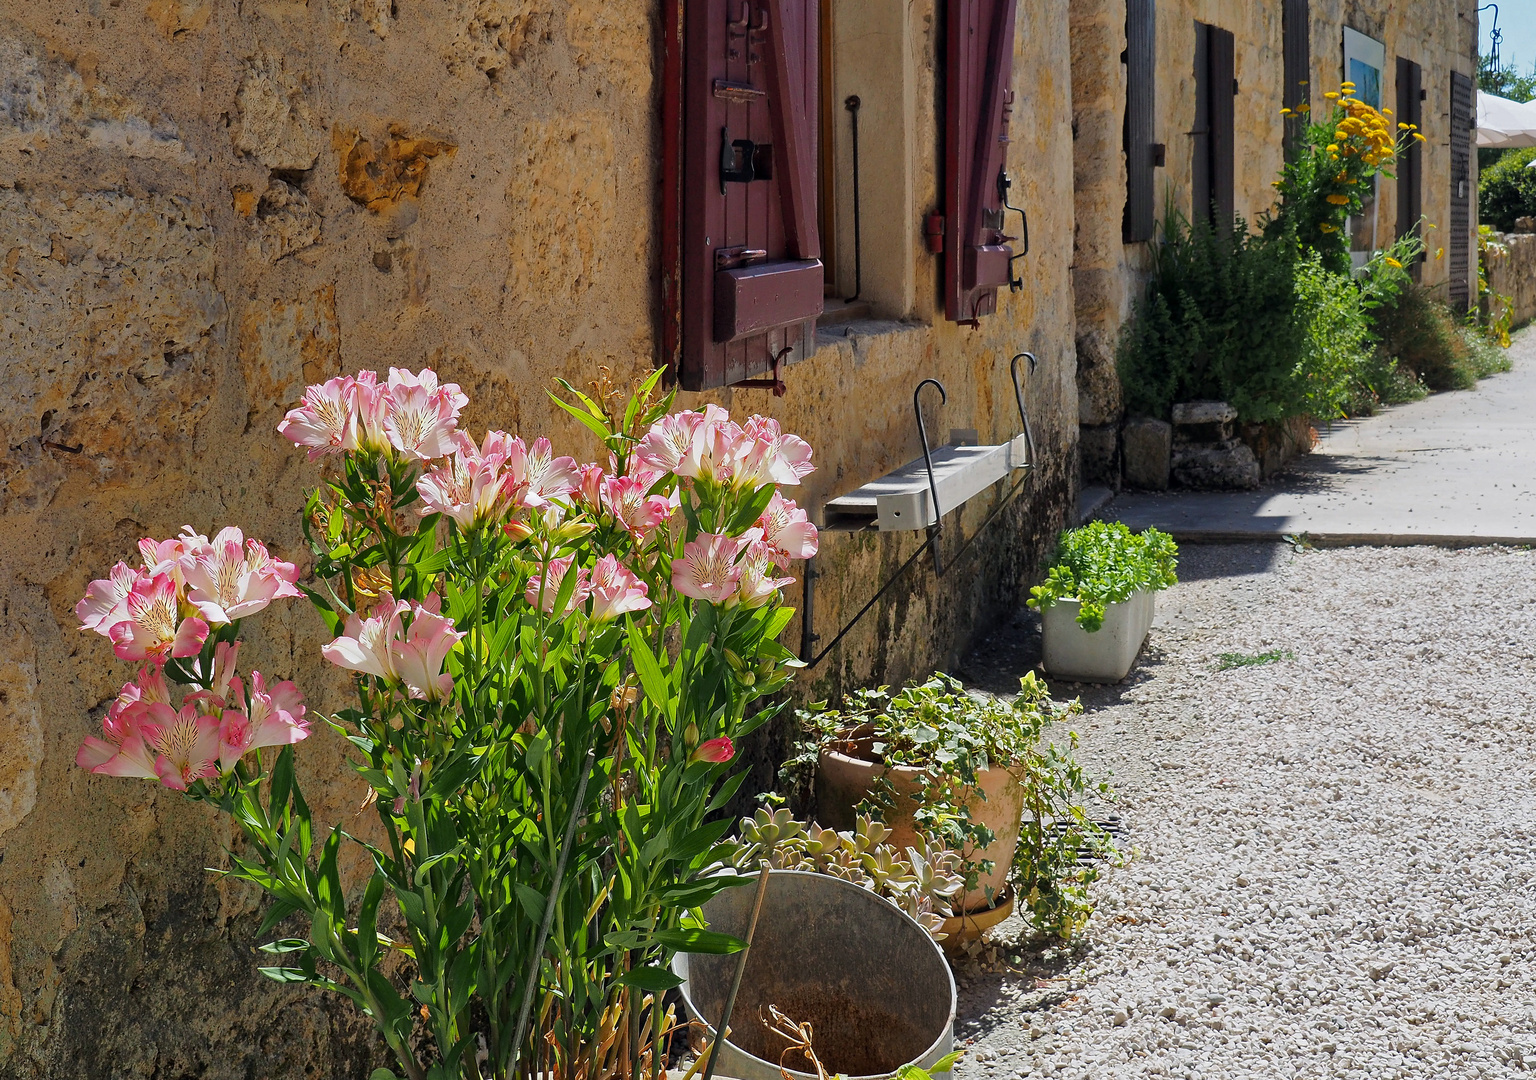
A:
(1507, 190)
(1487, 358)
(1217, 322)
(1422, 335)
(1103, 563)
(1336, 342)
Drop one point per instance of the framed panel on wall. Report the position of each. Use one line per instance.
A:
(1364, 61)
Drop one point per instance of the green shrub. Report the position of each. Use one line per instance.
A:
(1508, 190)
(1337, 342)
(1422, 335)
(1103, 563)
(1487, 358)
(1217, 322)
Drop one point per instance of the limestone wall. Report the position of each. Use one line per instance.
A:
(1513, 274)
(203, 206)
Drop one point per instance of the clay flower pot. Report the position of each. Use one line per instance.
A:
(843, 780)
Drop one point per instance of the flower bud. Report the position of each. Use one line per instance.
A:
(715, 751)
(691, 736)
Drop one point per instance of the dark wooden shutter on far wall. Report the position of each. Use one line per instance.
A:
(978, 98)
(1140, 104)
(1296, 35)
(1410, 166)
(1213, 142)
(743, 278)
(1460, 240)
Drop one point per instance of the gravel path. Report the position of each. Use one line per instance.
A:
(1335, 871)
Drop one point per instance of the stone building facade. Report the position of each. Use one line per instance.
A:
(205, 206)
(1108, 272)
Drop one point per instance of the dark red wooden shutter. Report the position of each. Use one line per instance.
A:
(747, 252)
(1410, 197)
(1214, 136)
(1460, 240)
(978, 98)
(1296, 37)
(1140, 103)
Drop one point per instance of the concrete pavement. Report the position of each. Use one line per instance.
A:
(1457, 468)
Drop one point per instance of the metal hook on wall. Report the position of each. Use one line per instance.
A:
(1018, 397)
(933, 485)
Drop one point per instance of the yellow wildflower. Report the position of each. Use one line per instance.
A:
(1346, 85)
(1304, 107)
(1333, 148)
(1386, 112)
(1330, 228)
(1438, 253)
(1331, 96)
(1393, 263)
(1339, 200)
(1421, 138)
(1285, 112)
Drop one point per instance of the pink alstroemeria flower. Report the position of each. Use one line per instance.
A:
(364, 644)
(677, 442)
(615, 591)
(372, 402)
(637, 513)
(539, 478)
(151, 629)
(544, 589)
(420, 416)
(708, 569)
(327, 421)
(125, 751)
(787, 530)
(105, 603)
(186, 744)
(715, 751)
(235, 577)
(468, 486)
(272, 717)
(770, 456)
(758, 585)
(419, 657)
(170, 556)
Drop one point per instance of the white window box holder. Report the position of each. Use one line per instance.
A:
(917, 496)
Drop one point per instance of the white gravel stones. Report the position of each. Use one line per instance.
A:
(1336, 870)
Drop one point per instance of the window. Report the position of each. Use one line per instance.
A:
(742, 274)
(1141, 153)
(1410, 166)
(1365, 59)
(1213, 137)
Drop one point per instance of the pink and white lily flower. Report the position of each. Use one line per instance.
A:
(420, 416)
(419, 657)
(272, 717)
(538, 477)
(186, 744)
(372, 401)
(105, 603)
(236, 577)
(639, 514)
(153, 628)
(468, 486)
(758, 585)
(327, 421)
(676, 443)
(615, 591)
(708, 569)
(125, 750)
(364, 644)
(544, 589)
(768, 456)
(787, 530)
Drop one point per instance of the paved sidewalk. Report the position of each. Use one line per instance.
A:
(1456, 468)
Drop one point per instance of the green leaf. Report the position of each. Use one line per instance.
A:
(947, 1062)
(533, 902)
(285, 945)
(596, 424)
(382, 1074)
(693, 940)
(657, 980)
(285, 974)
(646, 666)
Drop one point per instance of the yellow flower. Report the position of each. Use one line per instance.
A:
(1285, 112)
(1328, 228)
(1386, 112)
(1333, 148)
(1339, 200)
(1346, 85)
(1394, 263)
(1304, 107)
(1438, 253)
(1331, 96)
(1421, 138)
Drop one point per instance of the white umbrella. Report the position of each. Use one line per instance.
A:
(1505, 123)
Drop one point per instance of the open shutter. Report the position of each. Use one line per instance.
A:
(1214, 136)
(1410, 165)
(747, 258)
(1296, 35)
(1460, 240)
(978, 99)
(1140, 104)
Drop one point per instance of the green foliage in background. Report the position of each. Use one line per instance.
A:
(1103, 563)
(1507, 190)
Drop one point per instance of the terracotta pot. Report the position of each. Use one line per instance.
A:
(959, 929)
(844, 779)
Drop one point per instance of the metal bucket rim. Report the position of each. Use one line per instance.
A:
(949, 977)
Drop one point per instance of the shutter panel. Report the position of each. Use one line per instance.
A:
(1140, 103)
(1296, 34)
(747, 259)
(1461, 191)
(1223, 124)
(1410, 197)
(978, 99)
(1200, 133)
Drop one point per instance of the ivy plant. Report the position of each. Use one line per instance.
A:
(1104, 563)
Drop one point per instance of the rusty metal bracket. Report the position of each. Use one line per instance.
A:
(776, 384)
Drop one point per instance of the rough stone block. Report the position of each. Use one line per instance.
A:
(1148, 446)
(1203, 421)
(1219, 466)
(1098, 455)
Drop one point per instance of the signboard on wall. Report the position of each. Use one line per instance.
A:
(1364, 60)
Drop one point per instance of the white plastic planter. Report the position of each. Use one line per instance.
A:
(1105, 655)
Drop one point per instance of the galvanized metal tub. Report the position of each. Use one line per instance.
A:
(871, 982)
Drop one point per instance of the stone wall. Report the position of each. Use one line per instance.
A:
(203, 207)
(1513, 274)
